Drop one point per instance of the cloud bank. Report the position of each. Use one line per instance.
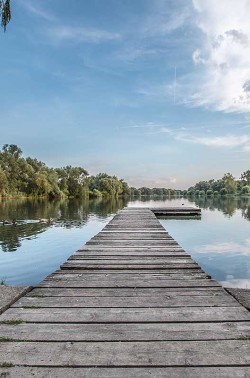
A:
(223, 56)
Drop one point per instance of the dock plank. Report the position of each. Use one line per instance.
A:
(145, 354)
(107, 372)
(123, 302)
(127, 315)
(125, 332)
(107, 282)
(124, 292)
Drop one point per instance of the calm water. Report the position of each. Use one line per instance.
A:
(29, 251)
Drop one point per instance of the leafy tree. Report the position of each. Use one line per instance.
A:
(5, 13)
(245, 190)
(3, 182)
(125, 188)
(230, 183)
(245, 177)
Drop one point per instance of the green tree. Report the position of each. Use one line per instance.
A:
(245, 177)
(5, 13)
(245, 190)
(9, 161)
(72, 181)
(3, 183)
(230, 183)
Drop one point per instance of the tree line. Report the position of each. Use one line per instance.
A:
(31, 177)
(21, 176)
(227, 185)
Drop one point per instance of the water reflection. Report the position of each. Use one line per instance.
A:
(66, 213)
(76, 213)
(219, 242)
(11, 236)
(227, 205)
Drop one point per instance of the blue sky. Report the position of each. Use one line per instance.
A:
(154, 91)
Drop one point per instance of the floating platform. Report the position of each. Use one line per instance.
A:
(177, 211)
(129, 303)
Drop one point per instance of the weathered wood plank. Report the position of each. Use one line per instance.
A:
(128, 271)
(93, 372)
(105, 282)
(160, 353)
(78, 265)
(136, 232)
(125, 332)
(119, 302)
(157, 276)
(129, 236)
(118, 254)
(114, 248)
(132, 260)
(127, 292)
(133, 227)
(142, 243)
(127, 315)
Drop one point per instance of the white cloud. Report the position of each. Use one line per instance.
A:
(227, 141)
(147, 125)
(60, 34)
(224, 55)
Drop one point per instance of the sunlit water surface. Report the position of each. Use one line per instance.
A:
(29, 251)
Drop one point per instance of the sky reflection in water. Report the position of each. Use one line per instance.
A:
(219, 242)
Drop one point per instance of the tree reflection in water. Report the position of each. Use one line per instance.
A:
(72, 213)
(65, 213)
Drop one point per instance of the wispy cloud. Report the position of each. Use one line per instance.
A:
(227, 141)
(147, 125)
(61, 34)
(223, 56)
(165, 18)
(34, 9)
(186, 135)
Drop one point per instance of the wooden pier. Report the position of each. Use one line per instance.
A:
(130, 303)
(177, 211)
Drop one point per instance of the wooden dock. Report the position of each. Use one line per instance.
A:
(130, 303)
(177, 211)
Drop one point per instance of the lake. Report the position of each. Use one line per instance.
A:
(29, 251)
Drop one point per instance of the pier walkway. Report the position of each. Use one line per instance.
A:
(130, 303)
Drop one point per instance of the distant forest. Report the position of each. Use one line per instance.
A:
(21, 176)
(225, 186)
